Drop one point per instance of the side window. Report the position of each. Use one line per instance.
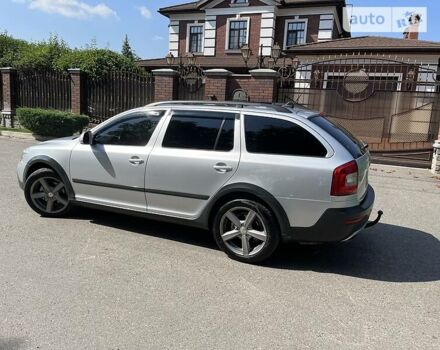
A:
(277, 136)
(203, 131)
(133, 130)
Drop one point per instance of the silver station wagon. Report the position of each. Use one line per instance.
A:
(253, 174)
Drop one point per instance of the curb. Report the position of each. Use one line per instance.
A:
(24, 136)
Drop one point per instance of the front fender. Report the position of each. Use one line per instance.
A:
(40, 162)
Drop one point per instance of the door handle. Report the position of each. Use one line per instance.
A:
(136, 161)
(222, 168)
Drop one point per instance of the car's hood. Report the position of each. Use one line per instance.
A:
(63, 141)
(66, 143)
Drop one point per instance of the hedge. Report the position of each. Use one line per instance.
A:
(50, 122)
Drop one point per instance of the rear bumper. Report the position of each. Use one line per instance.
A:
(336, 225)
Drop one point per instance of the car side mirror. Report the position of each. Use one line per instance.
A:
(87, 138)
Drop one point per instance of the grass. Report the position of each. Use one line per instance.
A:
(2, 128)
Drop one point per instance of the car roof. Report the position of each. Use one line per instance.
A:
(286, 109)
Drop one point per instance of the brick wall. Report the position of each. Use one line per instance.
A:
(165, 88)
(8, 91)
(76, 88)
(216, 88)
(258, 89)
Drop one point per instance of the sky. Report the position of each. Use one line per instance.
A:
(79, 22)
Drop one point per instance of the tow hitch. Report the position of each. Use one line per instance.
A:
(375, 222)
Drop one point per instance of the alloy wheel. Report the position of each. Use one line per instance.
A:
(49, 195)
(243, 231)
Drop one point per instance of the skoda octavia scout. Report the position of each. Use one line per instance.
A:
(253, 174)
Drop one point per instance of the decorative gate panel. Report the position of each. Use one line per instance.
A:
(190, 92)
(392, 105)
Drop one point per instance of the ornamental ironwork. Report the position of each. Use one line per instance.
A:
(356, 86)
(191, 75)
(286, 66)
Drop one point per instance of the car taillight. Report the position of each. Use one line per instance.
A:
(345, 180)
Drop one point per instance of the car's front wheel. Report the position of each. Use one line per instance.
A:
(46, 193)
(246, 230)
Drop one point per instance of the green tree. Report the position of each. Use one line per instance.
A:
(56, 54)
(96, 62)
(42, 55)
(10, 50)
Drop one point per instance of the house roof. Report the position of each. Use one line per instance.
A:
(186, 7)
(196, 6)
(367, 43)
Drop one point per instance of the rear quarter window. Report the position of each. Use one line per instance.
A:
(282, 137)
(343, 136)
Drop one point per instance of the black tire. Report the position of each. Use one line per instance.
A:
(264, 220)
(61, 203)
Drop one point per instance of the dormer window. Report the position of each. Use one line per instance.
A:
(239, 3)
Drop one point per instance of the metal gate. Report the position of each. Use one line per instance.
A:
(187, 92)
(391, 104)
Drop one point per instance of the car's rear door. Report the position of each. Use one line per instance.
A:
(196, 153)
(111, 171)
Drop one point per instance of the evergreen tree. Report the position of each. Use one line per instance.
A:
(126, 49)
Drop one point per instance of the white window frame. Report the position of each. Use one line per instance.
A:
(296, 20)
(228, 24)
(188, 27)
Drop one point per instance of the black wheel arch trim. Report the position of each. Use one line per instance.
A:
(254, 190)
(53, 164)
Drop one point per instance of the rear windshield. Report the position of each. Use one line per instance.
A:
(353, 145)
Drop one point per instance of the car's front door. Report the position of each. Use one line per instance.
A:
(195, 154)
(111, 171)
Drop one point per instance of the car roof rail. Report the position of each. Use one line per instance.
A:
(233, 104)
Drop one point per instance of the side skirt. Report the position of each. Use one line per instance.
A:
(168, 219)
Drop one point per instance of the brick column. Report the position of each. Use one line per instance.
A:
(76, 90)
(436, 158)
(165, 84)
(264, 85)
(216, 84)
(9, 94)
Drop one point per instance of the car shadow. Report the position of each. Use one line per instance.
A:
(178, 233)
(12, 344)
(383, 253)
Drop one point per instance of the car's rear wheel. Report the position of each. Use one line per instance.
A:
(246, 230)
(46, 193)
